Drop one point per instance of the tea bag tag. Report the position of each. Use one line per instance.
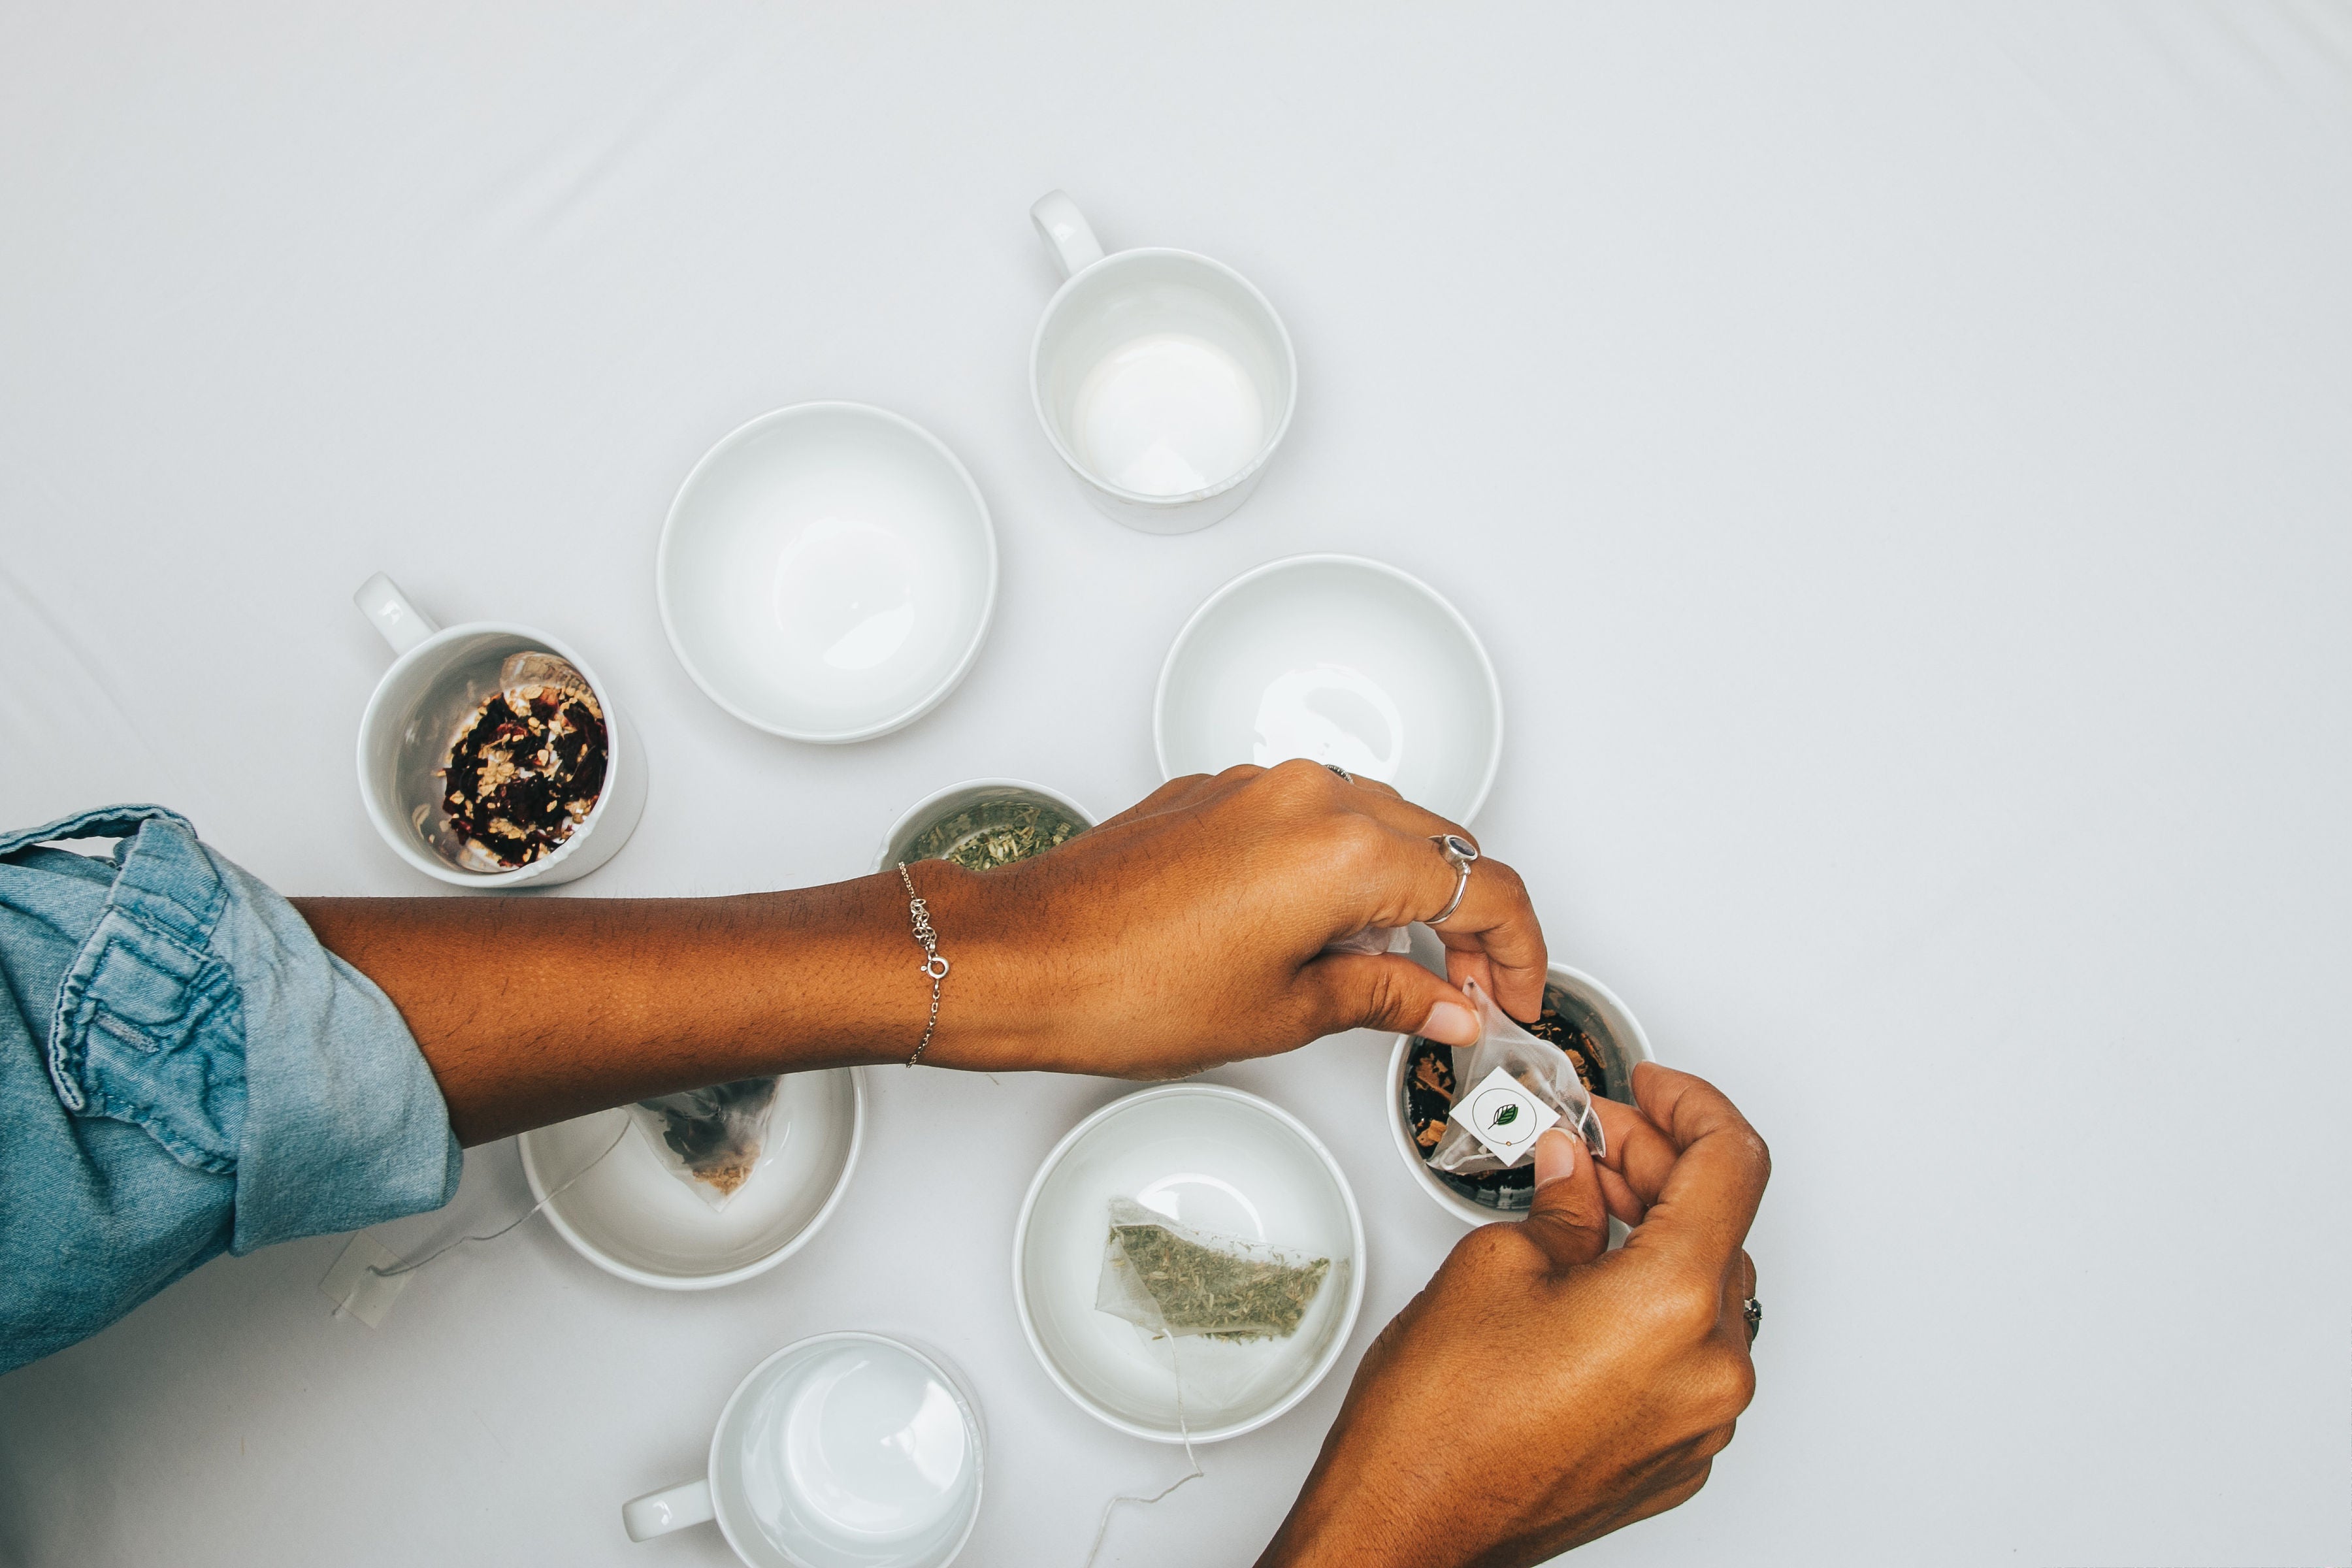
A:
(360, 1284)
(1503, 1117)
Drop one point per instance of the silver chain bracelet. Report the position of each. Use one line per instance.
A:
(933, 965)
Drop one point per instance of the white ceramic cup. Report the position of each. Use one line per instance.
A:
(1163, 378)
(956, 798)
(845, 1450)
(438, 678)
(1616, 1030)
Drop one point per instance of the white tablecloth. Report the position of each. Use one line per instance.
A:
(1898, 459)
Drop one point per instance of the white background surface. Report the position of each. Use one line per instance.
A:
(1898, 459)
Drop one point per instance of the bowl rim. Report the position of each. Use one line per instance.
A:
(1138, 498)
(930, 801)
(975, 1425)
(671, 528)
(636, 1275)
(1445, 1197)
(1340, 1337)
(1326, 559)
(616, 745)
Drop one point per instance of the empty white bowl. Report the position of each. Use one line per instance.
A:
(1216, 1159)
(631, 1217)
(828, 572)
(957, 797)
(1593, 1006)
(1337, 659)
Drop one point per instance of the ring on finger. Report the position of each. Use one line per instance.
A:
(1751, 1312)
(1460, 854)
(1344, 774)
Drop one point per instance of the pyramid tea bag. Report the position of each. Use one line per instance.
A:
(710, 1139)
(1175, 1281)
(1507, 1088)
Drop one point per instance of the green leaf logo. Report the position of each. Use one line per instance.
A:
(1505, 1116)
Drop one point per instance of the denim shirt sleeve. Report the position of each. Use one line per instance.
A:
(184, 1071)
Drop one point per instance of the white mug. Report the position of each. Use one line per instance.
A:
(1163, 379)
(438, 679)
(846, 1451)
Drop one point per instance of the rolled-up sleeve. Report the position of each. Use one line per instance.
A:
(184, 1071)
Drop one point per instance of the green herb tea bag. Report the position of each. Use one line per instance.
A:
(1174, 1281)
(710, 1139)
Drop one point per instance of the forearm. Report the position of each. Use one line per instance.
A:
(532, 1010)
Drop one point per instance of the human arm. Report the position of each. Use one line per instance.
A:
(1182, 933)
(1629, 1367)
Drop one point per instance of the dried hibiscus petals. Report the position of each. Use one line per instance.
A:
(527, 766)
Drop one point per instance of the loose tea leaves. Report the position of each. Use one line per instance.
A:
(710, 1139)
(1177, 1282)
(993, 832)
(526, 766)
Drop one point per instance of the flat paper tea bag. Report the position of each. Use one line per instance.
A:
(1509, 1086)
(710, 1139)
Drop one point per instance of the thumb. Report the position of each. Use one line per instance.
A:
(1391, 992)
(1568, 1219)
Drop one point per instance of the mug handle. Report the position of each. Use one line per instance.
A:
(404, 626)
(672, 1507)
(1064, 230)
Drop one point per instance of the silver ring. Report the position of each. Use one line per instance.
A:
(1460, 854)
(1752, 1313)
(1342, 771)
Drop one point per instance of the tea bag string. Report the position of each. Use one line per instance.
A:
(553, 1194)
(1102, 1531)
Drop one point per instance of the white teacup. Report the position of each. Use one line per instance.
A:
(846, 1451)
(1163, 379)
(438, 678)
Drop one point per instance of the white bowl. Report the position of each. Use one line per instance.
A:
(631, 1217)
(956, 798)
(828, 572)
(1337, 659)
(1614, 1029)
(1226, 1162)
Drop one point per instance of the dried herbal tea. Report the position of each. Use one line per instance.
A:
(1176, 1280)
(994, 833)
(526, 766)
(1429, 1088)
(710, 1138)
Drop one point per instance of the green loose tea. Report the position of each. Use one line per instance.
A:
(993, 832)
(1175, 1281)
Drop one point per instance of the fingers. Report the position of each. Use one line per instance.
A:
(1391, 992)
(1639, 1154)
(1568, 1220)
(1709, 1196)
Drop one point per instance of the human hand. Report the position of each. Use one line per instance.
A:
(1629, 1368)
(1189, 930)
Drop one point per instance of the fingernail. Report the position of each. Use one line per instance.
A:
(1555, 1157)
(1451, 1023)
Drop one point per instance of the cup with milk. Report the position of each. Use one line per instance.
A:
(847, 1450)
(1163, 379)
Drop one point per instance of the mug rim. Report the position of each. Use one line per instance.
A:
(1138, 497)
(890, 835)
(457, 876)
(973, 1427)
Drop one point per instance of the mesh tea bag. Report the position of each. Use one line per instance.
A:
(1509, 1086)
(710, 1139)
(1176, 1281)
(1374, 941)
(526, 766)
